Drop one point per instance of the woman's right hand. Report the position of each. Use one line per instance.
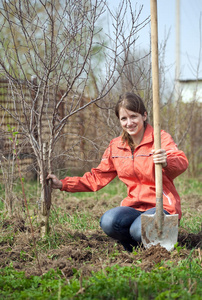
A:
(55, 182)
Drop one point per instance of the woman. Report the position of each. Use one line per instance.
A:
(131, 157)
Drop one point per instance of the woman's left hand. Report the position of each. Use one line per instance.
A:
(160, 157)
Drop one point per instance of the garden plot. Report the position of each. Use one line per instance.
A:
(76, 241)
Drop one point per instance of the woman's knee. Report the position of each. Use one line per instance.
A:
(135, 230)
(107, 222)
(118, 220)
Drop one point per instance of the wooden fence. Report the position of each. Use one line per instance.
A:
(80, 144)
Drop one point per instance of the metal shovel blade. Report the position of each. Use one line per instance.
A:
(166, 237)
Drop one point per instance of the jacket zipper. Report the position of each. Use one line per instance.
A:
(169, 200)
(133, 158)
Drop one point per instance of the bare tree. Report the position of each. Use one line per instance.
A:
(51, 47)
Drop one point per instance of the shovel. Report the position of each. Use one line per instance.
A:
(158, 228)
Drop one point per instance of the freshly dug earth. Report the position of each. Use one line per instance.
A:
(85, 250)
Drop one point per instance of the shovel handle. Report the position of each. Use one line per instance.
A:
(156, 110)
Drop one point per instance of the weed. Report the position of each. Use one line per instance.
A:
(178, 248)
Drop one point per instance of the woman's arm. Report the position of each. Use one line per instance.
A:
(90, 181)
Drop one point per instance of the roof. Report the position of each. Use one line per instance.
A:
(190, 80)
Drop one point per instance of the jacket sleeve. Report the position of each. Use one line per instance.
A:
(177, 162)
(94, 180)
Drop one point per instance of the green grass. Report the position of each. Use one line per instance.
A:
(78, 221)
(193, 223)
(190, 191)
(166, 281)
(188, 186)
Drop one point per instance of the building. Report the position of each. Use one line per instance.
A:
(191, 90)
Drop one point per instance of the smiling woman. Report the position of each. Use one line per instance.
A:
(132, 114)
(132, 158)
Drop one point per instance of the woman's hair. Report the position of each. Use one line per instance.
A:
(133, 102)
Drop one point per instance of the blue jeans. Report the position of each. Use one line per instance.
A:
(123, 223)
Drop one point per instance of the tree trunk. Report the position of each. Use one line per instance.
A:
(45, 196)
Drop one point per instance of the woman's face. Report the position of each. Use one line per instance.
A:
(132, 122)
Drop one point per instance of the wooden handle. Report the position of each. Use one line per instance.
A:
(156, 102)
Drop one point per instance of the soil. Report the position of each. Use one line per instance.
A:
(86, 250)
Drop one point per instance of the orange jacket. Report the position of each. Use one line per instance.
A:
(136, 171)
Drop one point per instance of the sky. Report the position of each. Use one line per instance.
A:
(190, 35)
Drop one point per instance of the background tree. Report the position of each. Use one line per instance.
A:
(51, 48)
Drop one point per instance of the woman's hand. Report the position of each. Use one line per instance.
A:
(55, 182)
(160, 157)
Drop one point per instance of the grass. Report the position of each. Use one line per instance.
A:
(190, 190)
(132, 281)
(77, 221)
(188, 186)
(167, 280)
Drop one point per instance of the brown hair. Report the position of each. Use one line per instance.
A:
(134, 103)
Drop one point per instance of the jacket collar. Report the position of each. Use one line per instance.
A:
(147, 138)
